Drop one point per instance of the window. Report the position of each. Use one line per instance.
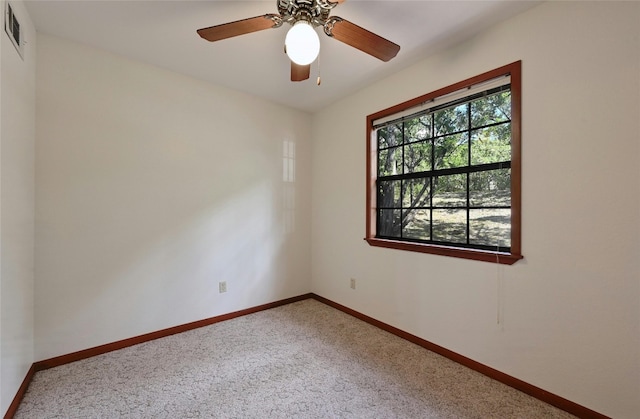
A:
(443, 170)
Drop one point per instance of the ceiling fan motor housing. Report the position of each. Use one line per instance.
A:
(316, 12)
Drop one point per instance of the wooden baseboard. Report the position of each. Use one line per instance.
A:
(114, 346)
(13, 407)
(538, 393)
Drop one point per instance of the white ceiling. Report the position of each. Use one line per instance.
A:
(163, 33)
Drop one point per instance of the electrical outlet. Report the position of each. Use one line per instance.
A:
(222, 286)
(353, 283)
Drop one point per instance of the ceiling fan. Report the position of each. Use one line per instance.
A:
(302, 44)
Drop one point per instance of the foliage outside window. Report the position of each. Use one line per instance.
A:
(443, 170)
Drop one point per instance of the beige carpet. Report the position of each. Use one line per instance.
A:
(302, 360)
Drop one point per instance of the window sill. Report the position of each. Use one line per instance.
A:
(481, 255)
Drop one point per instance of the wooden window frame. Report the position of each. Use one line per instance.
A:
(513, 70)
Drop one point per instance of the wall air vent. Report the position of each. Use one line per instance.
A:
(12, 28)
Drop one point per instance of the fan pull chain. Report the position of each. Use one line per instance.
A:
(318, 80)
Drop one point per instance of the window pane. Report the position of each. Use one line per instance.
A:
(416, 193)
(450, 225)
(491, 109)
(491, 145)
(451, 120)
(390, 161)
(490, 227)
(389, 136)
(417, 225)
(451, 151)
(490, 189)
(417, 129)
(389, 194)
(417, 157)
(389, 223)
(450, 191)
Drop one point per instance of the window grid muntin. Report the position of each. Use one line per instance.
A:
(431, 174)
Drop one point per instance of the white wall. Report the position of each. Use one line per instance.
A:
(17, 139)
(570, 311)
(151, 188)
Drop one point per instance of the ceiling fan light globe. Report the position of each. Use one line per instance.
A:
(302, 43)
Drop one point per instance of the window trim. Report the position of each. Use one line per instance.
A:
(513, 70)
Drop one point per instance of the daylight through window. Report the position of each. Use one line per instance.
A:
(444, 171)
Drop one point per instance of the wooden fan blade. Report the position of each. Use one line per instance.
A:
(360, 38)
(239, 27)
(300, 72)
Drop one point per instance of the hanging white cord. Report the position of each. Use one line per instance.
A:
(499, 286)
(500, 295)
(499, 290)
